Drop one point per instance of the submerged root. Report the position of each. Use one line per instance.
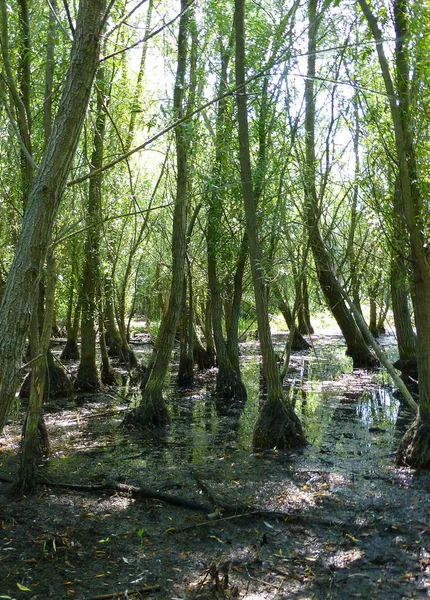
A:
(414, 449)
(152, 413)
(278, 426)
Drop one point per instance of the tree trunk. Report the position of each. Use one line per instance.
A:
(229, 385)
(414, 449)
(71, 349)
(45, 197)
(115, 344)
(32, 444)
(356, 346)
(88, 379)
(186, 343)
(303, 312)
(233, 329)
(298, 342)
(400, 286)
(152, 410)
(277, 424)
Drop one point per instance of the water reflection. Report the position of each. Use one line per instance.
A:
(346, 412)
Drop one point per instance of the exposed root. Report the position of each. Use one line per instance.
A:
(108, 377)
(152, 413)
(88, 380)
(229, 386)
(278, 426)
(363, 360)
(71, 351)
(414, 449)
(57, 384)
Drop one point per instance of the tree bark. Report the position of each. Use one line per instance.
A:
(277, 425)
(45, 197)
(32, 444)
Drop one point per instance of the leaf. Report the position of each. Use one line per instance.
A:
(23, 588)
(268, 525)
(351, 537)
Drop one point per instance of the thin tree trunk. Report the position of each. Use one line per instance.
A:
(88, 379)
(152, 411)
(277, 424)
(356, 346)
(45, 197)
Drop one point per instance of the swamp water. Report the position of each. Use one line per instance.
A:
(339, 520)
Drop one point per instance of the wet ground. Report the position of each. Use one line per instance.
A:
(336, 520)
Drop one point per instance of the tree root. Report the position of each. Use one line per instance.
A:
(152, 412)
(229, 386)
(414, 449)
(278, 426)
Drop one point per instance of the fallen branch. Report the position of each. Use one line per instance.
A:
(237, 510)
(135, 492)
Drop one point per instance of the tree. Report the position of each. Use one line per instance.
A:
(152, 410)
(17, 303)
(277, 425)
(330, 285)
(414, 448)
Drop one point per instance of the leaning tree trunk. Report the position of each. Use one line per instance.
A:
(356, 346)
(277, 425)
(152, 410)
(44, 199)
(414, 449)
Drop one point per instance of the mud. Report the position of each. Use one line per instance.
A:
(337, 520)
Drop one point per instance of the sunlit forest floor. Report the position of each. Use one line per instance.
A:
(336, 520)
